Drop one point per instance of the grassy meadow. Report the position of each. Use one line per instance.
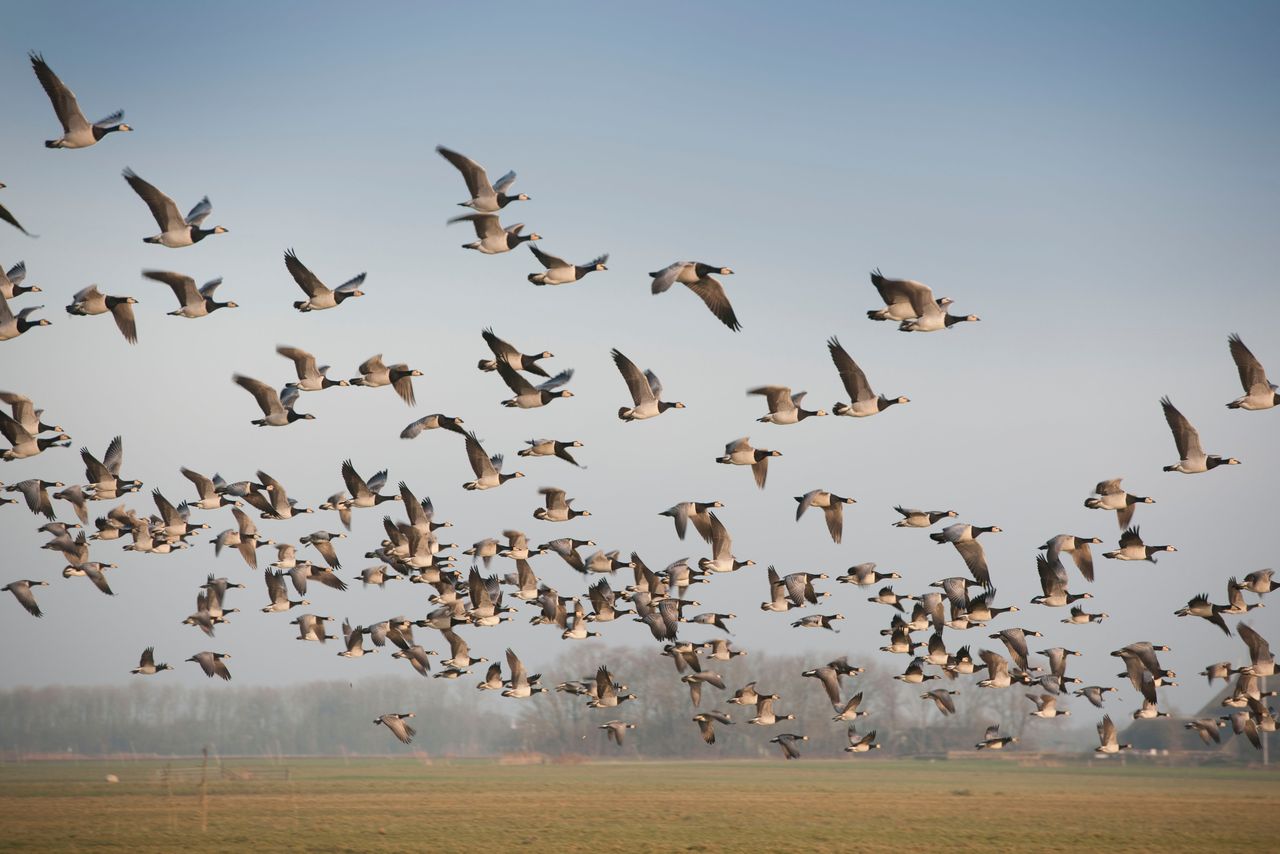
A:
(405, 804)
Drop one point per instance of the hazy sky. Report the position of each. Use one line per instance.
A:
(1097, 182)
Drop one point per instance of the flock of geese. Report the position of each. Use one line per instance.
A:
(920, 627)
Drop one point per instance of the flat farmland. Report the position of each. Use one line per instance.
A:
(406, 804)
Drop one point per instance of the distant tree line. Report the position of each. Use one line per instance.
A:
(454, 718)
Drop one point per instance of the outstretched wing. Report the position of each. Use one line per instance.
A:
(166, 213)
(62, 98)
(711, 292)
(855, 381)
(306, 280)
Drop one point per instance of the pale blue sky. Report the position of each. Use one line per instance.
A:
(1097, 182)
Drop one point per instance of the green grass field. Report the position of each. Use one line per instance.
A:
(812, 805)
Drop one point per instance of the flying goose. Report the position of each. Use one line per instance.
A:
(720, 621)
(11, 325)
(765, 716)
(1132, 548)
(941, 698)
(1095, 694)
(1193, 459)
(1053, 584)
(528, 396)
(782, 599)
(90, 301)
(310, 376)
(865, 575)
(279, 594)
(26, 414)
(311, 628)
(176, 231)
(787, 741)
(11, 282)
(740, 453)
(12, 220)
(832, 507)
(504, 352)
(695, 681)
(914, 674)
(1047, 706)
(319, 295)
(104, 476)
(485, 197)
(849, 711)
(576, 625)
(488, 469)
(1235, 596)
(606, 692)
(174, 522)
(900, 298)
(698, 512)
(21, 591)
(1219, 670)
(36, 493)
(1263, 663)
(76, 130)
(276, 406)
(864, 401)
(147, 663)
(1200, 606)
(818, 621)
(997, 670)
(1149, 710)
(1110, 496)
(722, 559)
(396, 723)
(1260, 582)
(992, 740)
(706, 724)
(365, 493)
(76, 497)
(94, 572)
(459, 652)
(492, 679)
(558, 507)
(932, 315)
(432, 422)
(1077, 547)
(353, 639)
(322, 542)
(645, 388)
(921, 518)
(192, 302)
(522, 684)
(614, 730)
(784, 407)
(24, 443)
(1207, 729)
(1080, 617)
(549, 448)
(861, 744)
(493, 239)
(212, 664)
(210, 496)
(746, 695)
(829, 678)
(375, 374)
(1142, 656)
(244, 537)
(697, 277)
(561, 272)
(980, 609)
(1258, 392)
(965, 539)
